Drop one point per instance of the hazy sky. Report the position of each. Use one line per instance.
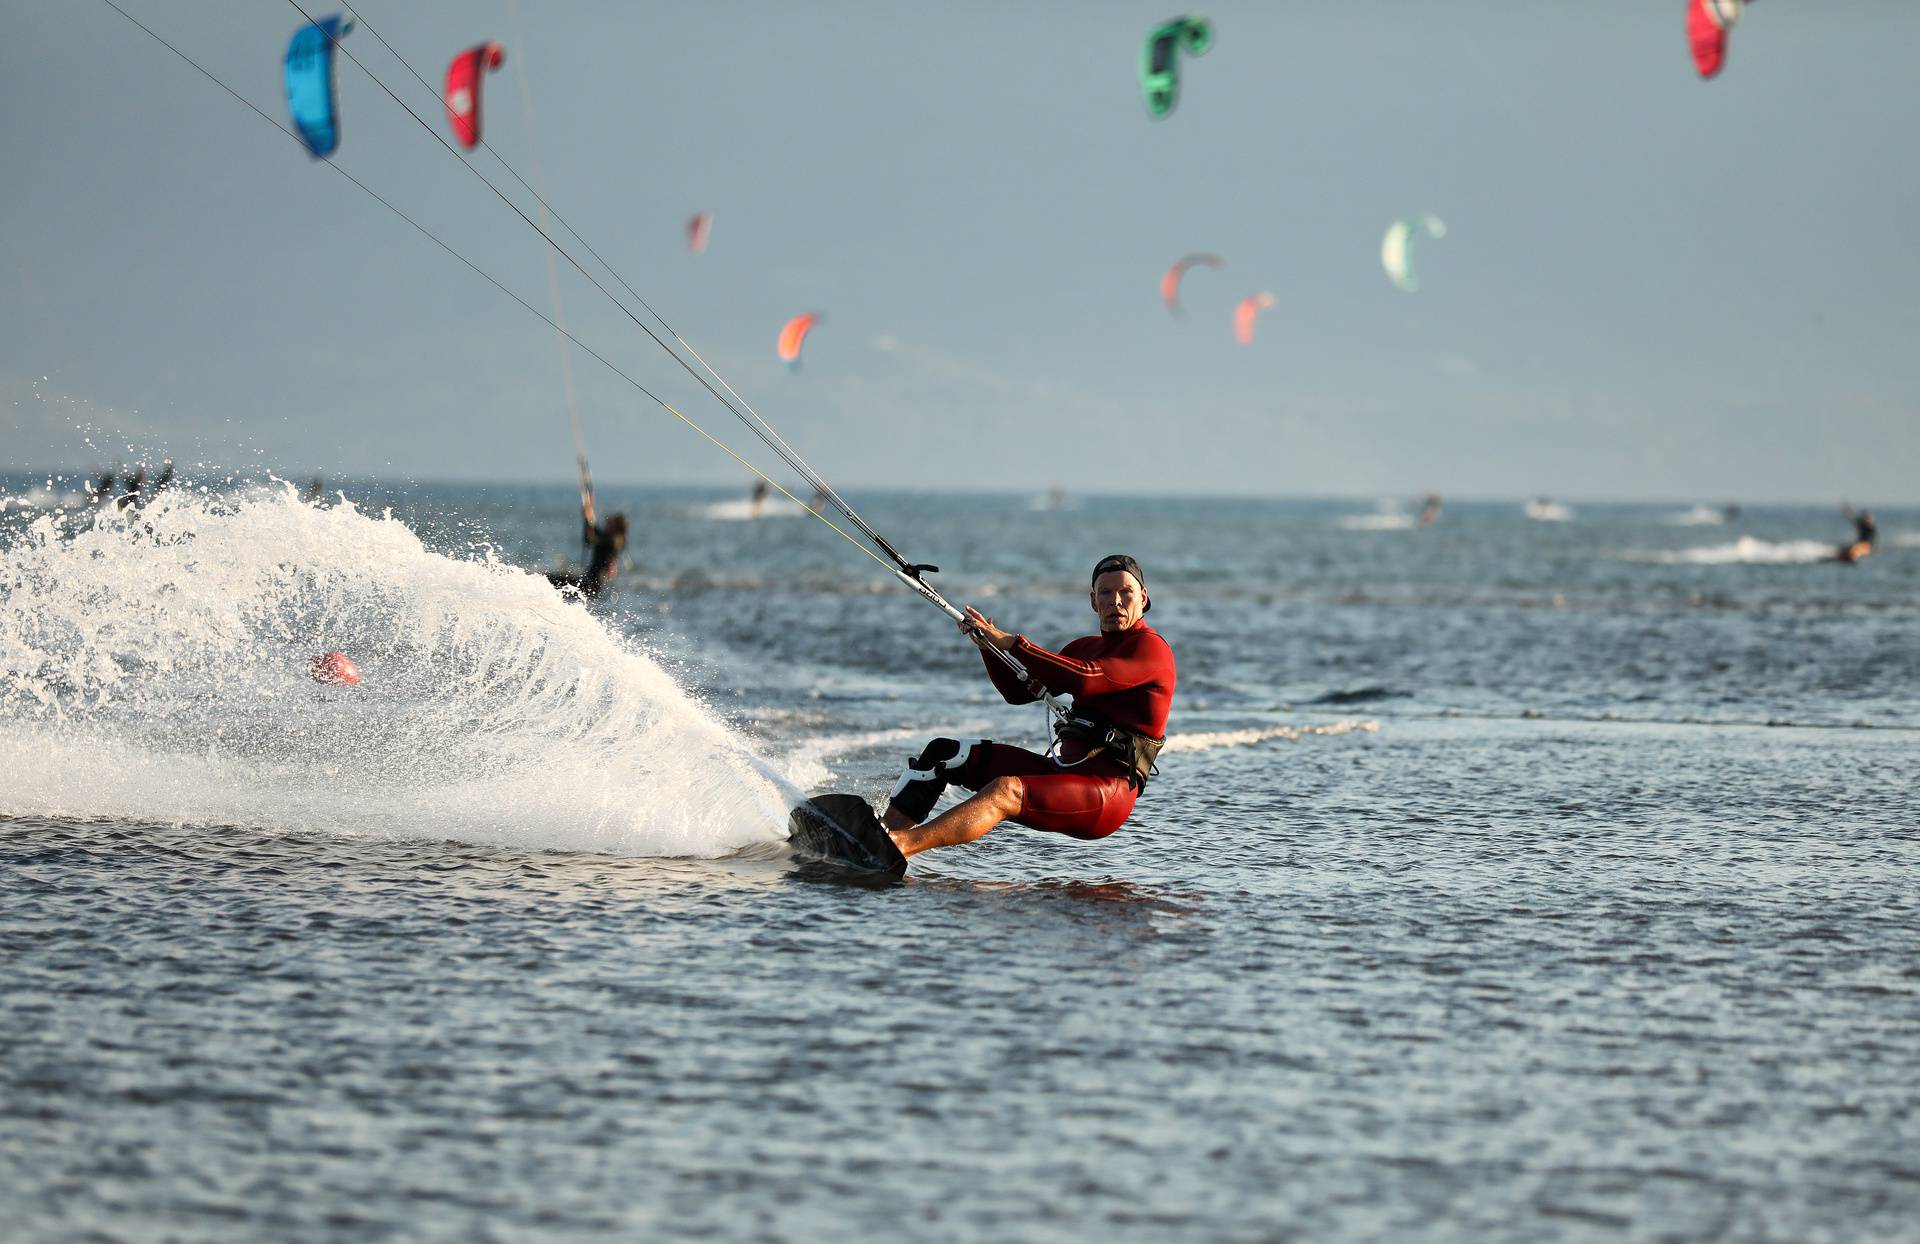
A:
(1652, 287)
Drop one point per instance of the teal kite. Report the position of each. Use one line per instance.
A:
(1160, 60)
(310, 95)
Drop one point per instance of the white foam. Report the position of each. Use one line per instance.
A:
(1698, 516)
(806, 765)
(1377, 522)
(1208, 741)
(47, 498)
(153, 667)
(1746, 549)
(748, 509)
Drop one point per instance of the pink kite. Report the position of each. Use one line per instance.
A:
(1243, 316)
(792, 335)
(1170, 282)
(463, 89)
(1708, 22)
(697, 230)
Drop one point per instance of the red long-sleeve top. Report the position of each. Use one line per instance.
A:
(1127, 677)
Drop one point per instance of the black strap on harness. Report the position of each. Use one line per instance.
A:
(1136, 752)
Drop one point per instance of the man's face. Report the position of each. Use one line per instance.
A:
(1119, 600)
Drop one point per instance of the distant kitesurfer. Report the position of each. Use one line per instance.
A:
(760, 490)
(130, 494)
(605, 541)
(1122, 683)
(1429, 509)
(1864, 534)
(130, 486)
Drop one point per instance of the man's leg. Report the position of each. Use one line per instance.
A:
(926, 777)
(965, 821)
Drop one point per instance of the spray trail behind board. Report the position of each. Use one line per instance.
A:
(154, 667)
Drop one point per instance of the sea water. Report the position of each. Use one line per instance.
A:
(1503, 880)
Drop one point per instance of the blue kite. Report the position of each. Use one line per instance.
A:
(310, 84)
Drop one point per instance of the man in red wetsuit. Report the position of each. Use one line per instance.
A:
(1122, 684)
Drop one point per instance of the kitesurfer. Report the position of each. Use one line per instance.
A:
(1122, 683)
(1864, 534)
(131, 486)
(761, 489)
(606, 542)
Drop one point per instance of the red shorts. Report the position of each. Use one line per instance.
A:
(1089, 800)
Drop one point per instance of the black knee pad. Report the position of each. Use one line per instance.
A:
(936, 754)
(926, 776)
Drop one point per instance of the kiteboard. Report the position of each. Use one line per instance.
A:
(842, 831)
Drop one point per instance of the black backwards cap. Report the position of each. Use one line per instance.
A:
(1120, 561)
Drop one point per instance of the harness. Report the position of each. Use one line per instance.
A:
(1134, 751)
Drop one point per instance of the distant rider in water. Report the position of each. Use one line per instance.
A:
(1122, 682)
(1864, 535)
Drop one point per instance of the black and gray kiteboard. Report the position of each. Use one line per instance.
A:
(842, 831)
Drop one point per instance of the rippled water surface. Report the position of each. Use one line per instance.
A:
(1478, 899)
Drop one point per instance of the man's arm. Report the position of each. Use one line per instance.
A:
(1012, 688)
(987, 637)
(1147, 661)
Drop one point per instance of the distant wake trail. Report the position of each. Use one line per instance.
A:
(1747, 550)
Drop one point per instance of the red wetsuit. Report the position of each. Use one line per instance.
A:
(1126, 677)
